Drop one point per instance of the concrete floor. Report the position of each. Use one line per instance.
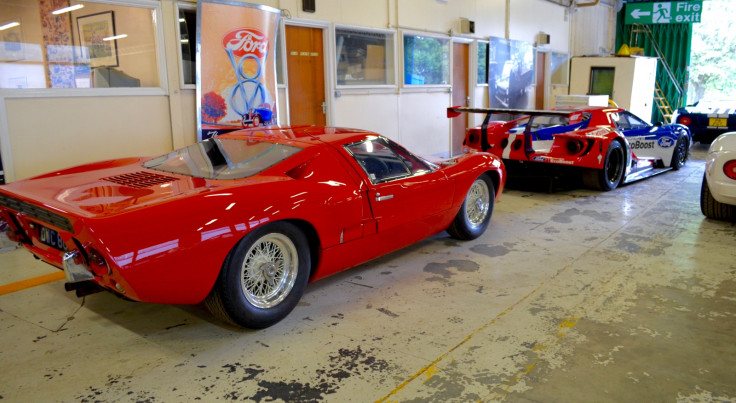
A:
(578, 295)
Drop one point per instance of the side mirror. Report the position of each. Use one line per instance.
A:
(658, 124)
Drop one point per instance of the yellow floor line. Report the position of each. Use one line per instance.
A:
(31, 282)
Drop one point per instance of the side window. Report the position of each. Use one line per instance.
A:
(620, 120)
(378, 161)
(416, 165)
(635, 122)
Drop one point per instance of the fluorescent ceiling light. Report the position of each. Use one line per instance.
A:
(67, 9)
(112, 38)
(9, 25)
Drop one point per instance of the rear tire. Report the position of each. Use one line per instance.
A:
(475, 213)
(263, 277)
(609, 177)
(679, 155)
(712, 208)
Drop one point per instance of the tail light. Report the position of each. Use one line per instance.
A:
(684, 120)
(729, 168)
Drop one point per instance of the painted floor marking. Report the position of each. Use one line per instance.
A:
(31, 282)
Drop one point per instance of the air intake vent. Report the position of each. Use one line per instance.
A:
(37, 212)
(140, 179)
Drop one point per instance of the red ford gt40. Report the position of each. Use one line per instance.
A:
(245, 220)
(604, 146)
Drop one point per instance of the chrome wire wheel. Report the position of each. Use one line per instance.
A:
(477, 203)
(269, 270)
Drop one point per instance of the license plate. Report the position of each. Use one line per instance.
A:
(718, 122)
(49, 237)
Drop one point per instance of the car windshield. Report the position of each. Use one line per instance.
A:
(217, 158)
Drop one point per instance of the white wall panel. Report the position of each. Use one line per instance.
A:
(84, 130)
(424, 126)
(376, 112)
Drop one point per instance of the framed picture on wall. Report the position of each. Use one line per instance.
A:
(96, 34)
(11, 40)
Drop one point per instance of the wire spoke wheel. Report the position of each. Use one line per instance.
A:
(477, 203)
(269, 270)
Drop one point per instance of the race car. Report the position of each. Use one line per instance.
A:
(707, 119)
(718, 191)
(243, 221)
(604, 146)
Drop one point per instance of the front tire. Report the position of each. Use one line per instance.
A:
(712, 208)
(609, 177)
(475, 213)
(263, 277)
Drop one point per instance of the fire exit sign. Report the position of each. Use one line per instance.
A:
(668, 12)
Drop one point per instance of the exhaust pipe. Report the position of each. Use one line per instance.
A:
(83, 288)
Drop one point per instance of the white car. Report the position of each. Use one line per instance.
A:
(718, 193)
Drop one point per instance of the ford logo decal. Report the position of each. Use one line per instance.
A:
(665, 142)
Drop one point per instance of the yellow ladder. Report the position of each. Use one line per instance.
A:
(662, 104)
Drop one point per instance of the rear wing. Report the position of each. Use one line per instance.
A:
(455, 111)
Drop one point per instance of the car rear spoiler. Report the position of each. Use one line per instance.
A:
(455, 111)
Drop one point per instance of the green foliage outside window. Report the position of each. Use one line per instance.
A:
(426, 60)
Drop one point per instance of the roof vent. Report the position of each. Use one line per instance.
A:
(140, 179)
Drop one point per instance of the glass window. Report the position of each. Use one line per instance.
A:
(482, 63)
(364, 57)
(426, 60)
(384, 161)
(558, 65)
(601, 80)
(85, 45)
(225, 158)
(188, 39)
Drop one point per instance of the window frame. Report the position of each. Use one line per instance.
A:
(448, 38)
(190, 6)
(394, 34)
(162, 89)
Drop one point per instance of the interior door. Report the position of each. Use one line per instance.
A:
(460, 97)
(539, 88)
(306, 73)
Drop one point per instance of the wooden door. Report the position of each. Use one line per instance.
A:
(306, 72)
(459, 94)
(539, 89)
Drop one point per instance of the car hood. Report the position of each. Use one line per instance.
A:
(105, 188)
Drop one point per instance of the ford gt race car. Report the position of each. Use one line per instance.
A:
(243, 221)
(604, 146)
(707, 119)
(718, 191)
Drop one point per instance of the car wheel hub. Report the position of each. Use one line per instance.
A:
(477, 203)
(269, 270)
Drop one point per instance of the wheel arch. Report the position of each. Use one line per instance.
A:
(312, 238)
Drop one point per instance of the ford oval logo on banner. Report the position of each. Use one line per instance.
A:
(246, 41)
(665, 142)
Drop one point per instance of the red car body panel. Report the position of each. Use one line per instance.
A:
(165, 236)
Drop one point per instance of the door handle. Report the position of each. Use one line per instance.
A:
(324, 108)
(382, 198)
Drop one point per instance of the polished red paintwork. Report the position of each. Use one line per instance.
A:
(166, 243)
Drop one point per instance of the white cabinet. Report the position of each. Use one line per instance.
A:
(628, 81)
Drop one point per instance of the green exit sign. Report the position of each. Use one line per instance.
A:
(668, 12)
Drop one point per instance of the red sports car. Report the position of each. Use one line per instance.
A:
(604, 146)
(245, 220)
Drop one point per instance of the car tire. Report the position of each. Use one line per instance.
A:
(263, 277)
(609, 177)
(256, 120)
(475, 213)
(680, 154)
(712, 208)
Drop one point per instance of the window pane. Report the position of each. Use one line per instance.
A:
(84, 46)
(364, 58)
(378, 161)
(482, 63)
(426, 60)
(188, 39)
(558, 65)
